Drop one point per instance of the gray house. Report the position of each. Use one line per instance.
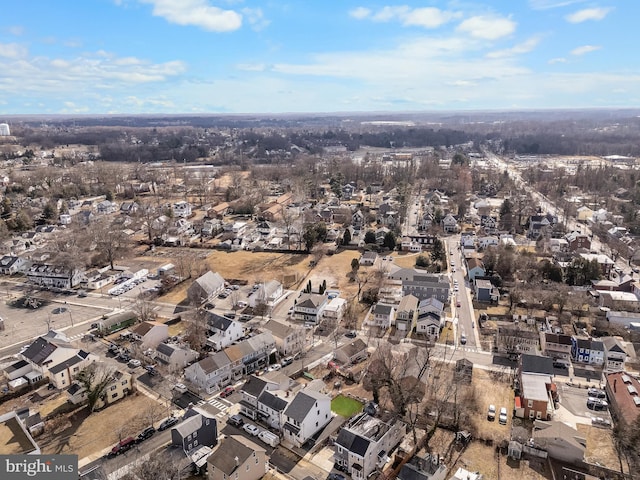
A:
(196, 428)
(205, 287)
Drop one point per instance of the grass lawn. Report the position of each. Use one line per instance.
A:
(345, 406)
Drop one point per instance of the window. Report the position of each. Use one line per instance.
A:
(195, 443)
(247, 467)
(112, 388)
(256, 459)
(530, 403)
(75, 369)
(189, 447)
(316, 424)
(64, 382)
(124, 382)
(115, 395)
(195, 434)
(206, 422)
(189, 437)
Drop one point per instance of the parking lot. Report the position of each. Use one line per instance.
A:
(574, 399)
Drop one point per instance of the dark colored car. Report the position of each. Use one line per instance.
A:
(146, 433)
(168, 423)
(335, 476)
(122, 446)
(226, 392)
(236, 420)
(351, 334)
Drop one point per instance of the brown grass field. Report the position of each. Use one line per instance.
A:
(600, 447)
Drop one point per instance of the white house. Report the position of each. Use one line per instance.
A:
(150, 334)
(11, 264)
(63, 374)
(181, 209)
(430, 318)
(307, 413)
(381, 315)
(334, 310)
(175, 357)
(310, 307)
(210, 374)
(615, 355)
(268, 293)
(222, 331)
(290, 339)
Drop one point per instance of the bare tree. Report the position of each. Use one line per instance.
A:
(95, 378)
(110, 242)
(144, 309)
(156, 467)
(196, 329)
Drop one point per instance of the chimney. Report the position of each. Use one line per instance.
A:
(237, 460)
(615, 380)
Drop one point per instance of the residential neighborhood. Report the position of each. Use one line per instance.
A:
(429, 313)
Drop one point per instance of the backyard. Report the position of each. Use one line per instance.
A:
(345, 406)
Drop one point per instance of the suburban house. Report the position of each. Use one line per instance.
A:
(450, 224)
(584, 214)
(488, 241)
(289, 339)
(150, 334)
(587, 350)
(577, 240)
(198, 427)
(334, 310)
(11, 264)
(475, 268)
(368, 258)
(560, 441)
(212, 373)
(381, 315)
(485, 291)
(251, 354)
(539, 225)
(105, 207)
(515, 340)
(205, 287)
(365, 444)
(623, 393)
(181, 209)
(407, 313)
(426, 286)
(615, 355)
(237, 458)
(219, 211)
(222, 331)
(427, 467)
(556, 345)
(309, 307)
(53, 276)
(48, 350)
(119, 386)
(268, 293)
(257, 406)
(63, 374)
(535, 377)
(352, 352)
(604, 262)
(622, 319)
(430, 318)
(305, 415)
(175, 357)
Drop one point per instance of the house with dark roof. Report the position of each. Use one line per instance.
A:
(237, 458)
(251, 354)
(308, 413)
(381, 315)
(407, 314)
(63, 374)
(197, 428)
(175, 357)
(12, 264)
(365, 444)
(587, 350)
(430, 318)
(535, 378)
(16, 370)
(556, 345)
(222, 331)
(423, 286)
(623, 393)
(55, 276)
(255, 387)
(475, 268)
(368, 258)
(119, 385)
(205, 287)
(48, 350)
(271, 407)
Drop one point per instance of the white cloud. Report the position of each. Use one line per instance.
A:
(587, 14)
(16, 30)
(360, 13)
(255, 17)
(519, 49)
(12, 50)
(251, 67)
(584, 49)
(426, 17)
(488, 27)
(198, 13)
(557, 60)
(548, 4)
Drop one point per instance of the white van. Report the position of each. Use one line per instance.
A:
(269, 438)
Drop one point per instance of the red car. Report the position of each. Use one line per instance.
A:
(226, 392)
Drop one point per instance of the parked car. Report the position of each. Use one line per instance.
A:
(596, 404)
(122, 446)
(335, 476)
(236, 420)
(351, 334)
(269, 438)
(561, 365)
(134, 363)
(502, 418)
(251, 429)
(146, 433)
(286, 361)
(168, 423)
(275, 366)
(226, 392)
(180, 388)
(491, 414)
(596, 393)
(463, 339)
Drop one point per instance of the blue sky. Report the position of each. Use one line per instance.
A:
(250, 56)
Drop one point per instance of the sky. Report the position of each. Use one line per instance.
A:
(288, 56)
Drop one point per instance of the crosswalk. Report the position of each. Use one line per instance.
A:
(219, 404)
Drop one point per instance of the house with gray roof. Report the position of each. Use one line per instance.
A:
(381, 315)
(309, 307)
(197, 428)
(306, 414)
(175, 357)
(62, 374)
(212, 373)
(269, 409)
(427, 467)
(11, 264)
(237, 458)
(290, 339)
(48, 350)
(430, 318)
(352, 352)
(365, 444)
(205, 287)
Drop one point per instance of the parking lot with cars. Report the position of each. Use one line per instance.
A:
(585, 403)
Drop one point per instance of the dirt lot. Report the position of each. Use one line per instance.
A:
(479, 457)
(491, 388)
(600, 447)
(85, 435)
